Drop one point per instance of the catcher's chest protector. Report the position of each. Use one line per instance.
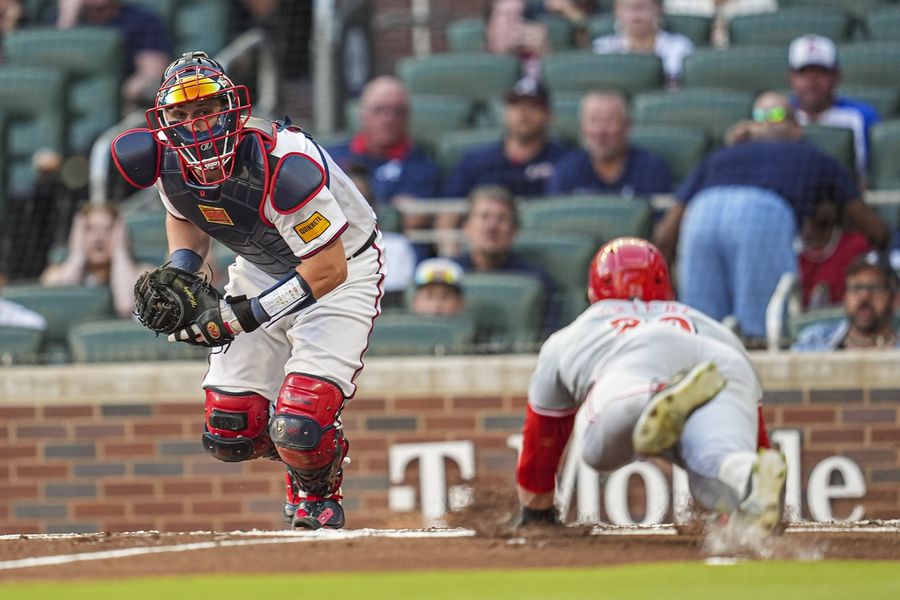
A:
(230, 212)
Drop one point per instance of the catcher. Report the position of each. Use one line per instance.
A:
(657, 378)
(302, 294)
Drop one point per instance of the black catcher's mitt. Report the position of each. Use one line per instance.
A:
(172, 301)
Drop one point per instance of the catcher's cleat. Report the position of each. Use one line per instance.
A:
(662, 420)
(315, 513)
(530, 517)
(763, 508)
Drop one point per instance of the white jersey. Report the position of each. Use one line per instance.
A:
(571, 358)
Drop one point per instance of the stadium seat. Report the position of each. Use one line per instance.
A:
(749, 68)
(836, 141)
(858, 8)
(477, 76)
(799, 322)
(508, 309)
(870, 63)
(560, 32)
(465, 35)
(715, 110)
(147, 233)
(885, 148)
(601, 217)
(786, 24)
(564, 258)
(123, 340)
(62, 307)
(31, 99)
(211, 36)
(566, 108)
(450, 147)
(580, 71)
(682, 147)
(883, 23)
(92, 60)
(20, 345)
(696, 28)
(400, 333)
(885, 99)
(389, 218)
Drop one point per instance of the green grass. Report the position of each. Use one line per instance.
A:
(825, 580)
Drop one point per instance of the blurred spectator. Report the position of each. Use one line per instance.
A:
(814, 77)
(741, 207)
(99, 255)
(399, 170)
(869, 303)
(826, 250)
(147, 43)
(522, 161)
(510, 31)
(720, 11)
(489, 232)
(10, 15)
(438, 288)
(608, 164)
(399, 255)
(638, 31)
(576, 12)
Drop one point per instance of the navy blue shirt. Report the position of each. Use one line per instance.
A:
(414, 175)
(142, 30)
(645, 173)
(797, 171)
(516, 264)
(489, 165)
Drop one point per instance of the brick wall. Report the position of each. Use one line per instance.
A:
(116, 448)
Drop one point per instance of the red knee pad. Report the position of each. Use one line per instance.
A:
(544, 439)
(236, 426)
(303, 428)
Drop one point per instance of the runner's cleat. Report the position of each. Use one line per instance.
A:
(662, 420)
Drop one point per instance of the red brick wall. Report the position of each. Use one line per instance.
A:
(117, 467)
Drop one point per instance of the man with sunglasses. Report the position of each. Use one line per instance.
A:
(869, 299)
(737, 215)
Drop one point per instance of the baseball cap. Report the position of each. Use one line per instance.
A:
(877, 261)
(528, 88)
(438, 270)
(812, 50)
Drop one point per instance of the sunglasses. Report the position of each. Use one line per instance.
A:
(437, 275)
(771, 115)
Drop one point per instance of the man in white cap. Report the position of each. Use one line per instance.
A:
(814, 77)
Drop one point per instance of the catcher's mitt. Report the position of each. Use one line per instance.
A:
(171, 301)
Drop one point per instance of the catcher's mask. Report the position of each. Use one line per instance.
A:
(199, 113)
(627, 268)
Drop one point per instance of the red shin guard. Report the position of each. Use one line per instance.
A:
(543, 442)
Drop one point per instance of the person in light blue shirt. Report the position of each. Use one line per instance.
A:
(868, 308)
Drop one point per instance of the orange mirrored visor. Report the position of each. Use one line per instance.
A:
(190, 89)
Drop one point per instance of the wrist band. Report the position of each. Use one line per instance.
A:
(287, 296)
(186, 260)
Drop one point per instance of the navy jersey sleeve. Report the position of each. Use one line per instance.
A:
(693, 183)
(459, 183)
(656, 176)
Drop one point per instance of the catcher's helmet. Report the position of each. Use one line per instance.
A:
(628, 268)
(205, 144)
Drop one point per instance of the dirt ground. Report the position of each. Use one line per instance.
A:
(371, 550)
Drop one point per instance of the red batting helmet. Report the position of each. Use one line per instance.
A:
(628, 268)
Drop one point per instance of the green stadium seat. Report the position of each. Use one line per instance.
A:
(682, 147)
(465, 35)
(694, 27)
(786, 24)
(201, 25)
(92, 60)
(124, 340)
(560, 32)
(566, 108)
(580, 71)
(508, 309)
(885, 99)
(33, 99)
(407, 334)
(62, 307)
(883, 23)
(20, 345)
(147, 234)
(858, 8)
(389, 218)
(749, 68)
(564, 257)
(715, 110)
(601, 217)
(3, 165)
(870, 63)
(836, 141)
(885, 148)
(799, 322)
(450, 147)
(477, 76)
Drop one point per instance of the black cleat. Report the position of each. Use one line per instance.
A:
(315, 514)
